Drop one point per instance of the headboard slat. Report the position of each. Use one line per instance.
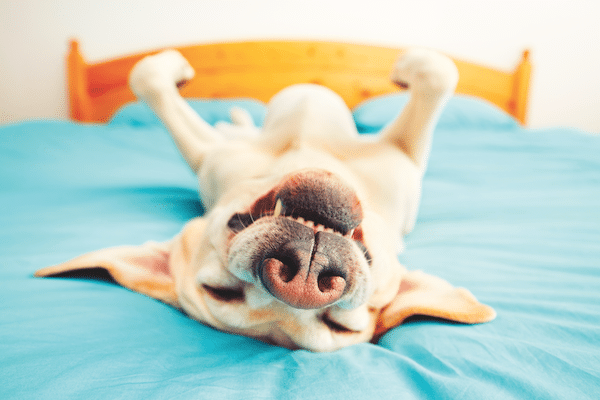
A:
(260, 69)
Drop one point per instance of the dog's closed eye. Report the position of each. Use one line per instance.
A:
(229, 295)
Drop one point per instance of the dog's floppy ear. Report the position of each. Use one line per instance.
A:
(144, 269)
(424, 294)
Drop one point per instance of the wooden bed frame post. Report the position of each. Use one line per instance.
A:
(80, 107)
(521, 89)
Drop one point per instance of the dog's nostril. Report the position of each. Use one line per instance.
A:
(328, 282)
(284, 270)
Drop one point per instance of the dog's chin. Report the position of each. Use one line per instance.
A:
(302, 242)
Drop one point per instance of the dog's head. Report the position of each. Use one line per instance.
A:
(302, 262)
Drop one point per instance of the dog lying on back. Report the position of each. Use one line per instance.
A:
(305, 217)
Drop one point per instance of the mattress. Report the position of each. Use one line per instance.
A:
(512, 214)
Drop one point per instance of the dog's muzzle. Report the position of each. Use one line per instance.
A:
(301, 239)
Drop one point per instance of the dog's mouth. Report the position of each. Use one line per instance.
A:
(303, 249)
(316, 198)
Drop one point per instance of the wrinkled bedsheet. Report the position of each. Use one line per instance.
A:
(512, 214)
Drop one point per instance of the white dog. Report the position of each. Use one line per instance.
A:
(305, 217)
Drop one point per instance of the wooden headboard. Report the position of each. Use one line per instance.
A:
(260, 69)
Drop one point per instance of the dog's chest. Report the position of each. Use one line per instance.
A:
(237, 163)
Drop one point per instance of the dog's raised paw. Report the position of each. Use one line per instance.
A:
(425, 70)
(159, 72)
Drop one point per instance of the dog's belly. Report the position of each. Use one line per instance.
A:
(307, 115)
(255, 168)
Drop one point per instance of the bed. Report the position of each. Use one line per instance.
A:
(509, 212)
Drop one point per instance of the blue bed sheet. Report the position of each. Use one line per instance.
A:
(510, 213)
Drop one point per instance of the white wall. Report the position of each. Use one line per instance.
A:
(563, 35)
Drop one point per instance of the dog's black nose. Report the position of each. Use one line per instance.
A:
(302, 290)
(309, 271)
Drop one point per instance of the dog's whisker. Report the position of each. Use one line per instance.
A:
(239, 218)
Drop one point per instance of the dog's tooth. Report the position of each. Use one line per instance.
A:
(300, 219)
(278, 208)
(309, 223)
(330, 230)
(351, 233)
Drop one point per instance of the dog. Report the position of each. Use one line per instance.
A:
(305, 217)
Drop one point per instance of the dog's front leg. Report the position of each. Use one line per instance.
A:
(431, 78)
(155, 80)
